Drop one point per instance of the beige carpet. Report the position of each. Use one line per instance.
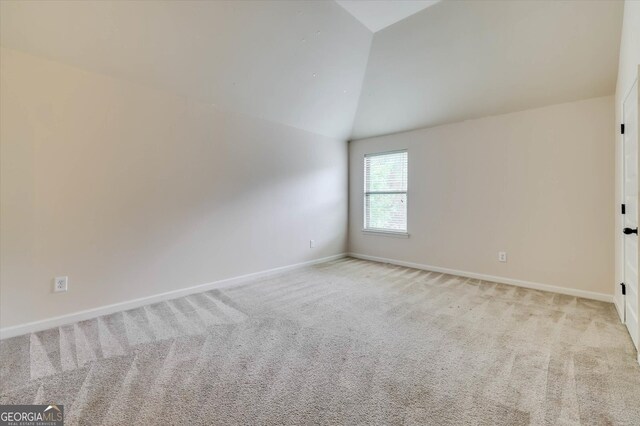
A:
(345, 342)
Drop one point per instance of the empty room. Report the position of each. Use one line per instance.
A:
(319, 212)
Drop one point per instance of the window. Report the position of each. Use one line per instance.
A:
(385, 192)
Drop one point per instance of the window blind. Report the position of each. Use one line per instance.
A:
(385, 191)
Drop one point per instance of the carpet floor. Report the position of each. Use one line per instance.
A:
(344, 342)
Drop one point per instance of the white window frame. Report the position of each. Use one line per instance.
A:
(379, 231)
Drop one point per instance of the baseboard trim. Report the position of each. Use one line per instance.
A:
(503, 280)
(45, 324)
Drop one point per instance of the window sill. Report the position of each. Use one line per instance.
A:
(395, 234)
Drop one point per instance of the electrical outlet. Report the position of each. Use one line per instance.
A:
(60, 284)
(502, 256)
(312, 243)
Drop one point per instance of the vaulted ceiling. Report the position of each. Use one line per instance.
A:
(376, 14)
(295, 63)
(458, 60)
(312, 65)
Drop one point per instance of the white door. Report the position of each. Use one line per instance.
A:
(630, 221)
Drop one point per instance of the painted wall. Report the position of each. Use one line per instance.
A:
(536, 184)
(131, 191)
(628, 70)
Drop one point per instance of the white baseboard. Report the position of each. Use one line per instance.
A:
(45, 324)
(503, 280)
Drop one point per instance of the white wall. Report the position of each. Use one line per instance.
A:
(628, 70)
(536, 184)
(131, 191)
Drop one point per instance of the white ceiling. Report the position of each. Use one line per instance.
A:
(303, 63)
(296, 63)
(466, 59)
(379, 14)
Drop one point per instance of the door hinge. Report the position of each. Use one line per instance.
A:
(622, 129)
(624, 288)
(623, 208)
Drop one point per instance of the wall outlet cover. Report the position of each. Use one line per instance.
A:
(60, 284)
(312, 243)
(502, 256)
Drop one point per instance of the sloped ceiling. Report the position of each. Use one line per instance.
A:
(303, 63)
(376, 14)
(296, 63)
(458, 60)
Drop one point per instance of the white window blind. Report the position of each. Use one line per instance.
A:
(385, 191)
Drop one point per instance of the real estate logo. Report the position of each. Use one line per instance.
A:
(31, 415)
